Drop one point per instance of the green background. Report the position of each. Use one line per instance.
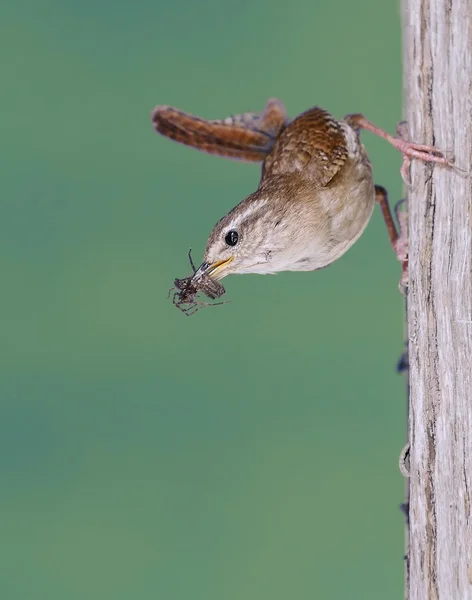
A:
(250, 451)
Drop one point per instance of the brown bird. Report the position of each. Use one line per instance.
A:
(316, 193)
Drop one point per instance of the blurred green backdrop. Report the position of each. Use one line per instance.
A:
(250, 451)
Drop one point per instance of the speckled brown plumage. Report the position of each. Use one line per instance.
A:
(313, 144)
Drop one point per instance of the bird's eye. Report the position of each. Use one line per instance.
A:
(232, 237)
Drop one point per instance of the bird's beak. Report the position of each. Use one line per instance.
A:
(214, 270)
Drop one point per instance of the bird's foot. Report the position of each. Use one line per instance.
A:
(409, 150)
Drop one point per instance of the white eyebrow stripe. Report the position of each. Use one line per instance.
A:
(251, 209)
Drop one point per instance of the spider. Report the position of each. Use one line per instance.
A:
(186, 290)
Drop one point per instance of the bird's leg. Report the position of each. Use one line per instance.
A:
(408, 149)
(382, 198)
(399, 241)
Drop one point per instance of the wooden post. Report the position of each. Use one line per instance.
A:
(438, 95)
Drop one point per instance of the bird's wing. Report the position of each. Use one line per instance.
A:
(249, 136)
(312, 144)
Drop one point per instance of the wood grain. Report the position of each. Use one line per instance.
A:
(438, 96)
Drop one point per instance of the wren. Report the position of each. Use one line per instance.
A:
(316, 193)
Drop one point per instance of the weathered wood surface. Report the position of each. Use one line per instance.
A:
(438, 97)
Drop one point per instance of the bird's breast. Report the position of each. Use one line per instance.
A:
(327, 221)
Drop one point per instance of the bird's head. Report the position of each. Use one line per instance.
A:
(247, 239)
